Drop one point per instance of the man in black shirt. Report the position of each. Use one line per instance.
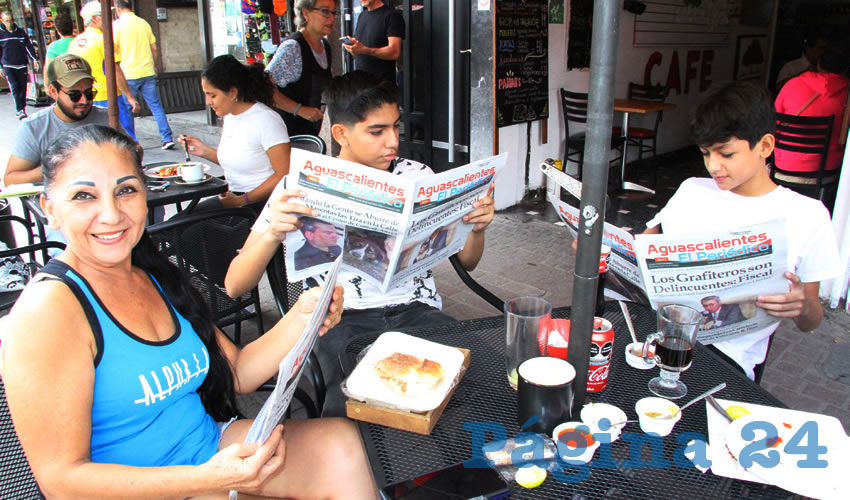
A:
(376, 44)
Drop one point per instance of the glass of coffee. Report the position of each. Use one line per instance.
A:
(545, 393)
(674, 348)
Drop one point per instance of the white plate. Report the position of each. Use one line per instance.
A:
(21, 190)
(816, 483)
(592, 413)
(151, 172)
(203, 179)
(365, 385)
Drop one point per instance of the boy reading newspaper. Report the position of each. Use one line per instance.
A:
(734, 130)
(365, 118)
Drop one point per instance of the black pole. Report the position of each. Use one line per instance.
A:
(600, 113)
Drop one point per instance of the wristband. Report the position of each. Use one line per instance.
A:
(295, 113)
(247, 201)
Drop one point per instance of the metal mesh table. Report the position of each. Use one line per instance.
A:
(484, 395)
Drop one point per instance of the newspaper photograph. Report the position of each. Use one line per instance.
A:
(720, 274)
(385, 227)
(625, 279)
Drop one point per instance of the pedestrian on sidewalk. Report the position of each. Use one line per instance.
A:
(136, 44)
(15, 50)
(89, 46)
(65, 26)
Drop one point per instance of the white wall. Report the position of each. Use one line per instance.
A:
(631, 64)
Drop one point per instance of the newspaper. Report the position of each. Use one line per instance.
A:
(386, 227)
(720, 274)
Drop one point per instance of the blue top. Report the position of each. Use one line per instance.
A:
(146, 409)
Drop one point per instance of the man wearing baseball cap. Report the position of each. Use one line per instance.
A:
(70, 85)
(89, 45)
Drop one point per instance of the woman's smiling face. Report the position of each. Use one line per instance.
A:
(97, 199)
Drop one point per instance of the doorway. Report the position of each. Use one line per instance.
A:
(428, 120)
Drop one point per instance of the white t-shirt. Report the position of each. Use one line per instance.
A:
(699, 206)
(359, 293)
(245, 138)
(793, 68)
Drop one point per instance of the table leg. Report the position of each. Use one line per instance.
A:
(628, 186)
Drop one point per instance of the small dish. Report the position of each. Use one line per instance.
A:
(635, 360)
(654, 415)
(577, 445)
(592, 413)
(203, 179)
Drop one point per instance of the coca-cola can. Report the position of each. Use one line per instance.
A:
(601, 346)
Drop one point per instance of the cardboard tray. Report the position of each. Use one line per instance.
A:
(420, 423)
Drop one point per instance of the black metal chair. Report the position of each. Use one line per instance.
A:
(23, 261)
(308, 142)
(574, 105)
(805, 134)
(202, 245)
(637, 135)
(16, 478)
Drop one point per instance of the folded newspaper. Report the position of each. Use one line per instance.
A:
(386, 227)
(720, 274)
(290, 369)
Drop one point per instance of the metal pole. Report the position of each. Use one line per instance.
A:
(600, 112)
(109, 62)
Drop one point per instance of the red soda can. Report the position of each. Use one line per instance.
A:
(601, 346)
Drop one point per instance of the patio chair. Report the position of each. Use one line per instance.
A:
(637, 135)
(20, 263)
(16, 478)
(308, 142)
(805, 134)
(202, 245)
(574, 105)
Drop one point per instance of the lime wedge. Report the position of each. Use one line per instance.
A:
(737, 412)
(530, 477)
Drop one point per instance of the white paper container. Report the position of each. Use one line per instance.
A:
(364, 384)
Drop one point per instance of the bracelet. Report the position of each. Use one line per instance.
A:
(296, 109)
(247, 201)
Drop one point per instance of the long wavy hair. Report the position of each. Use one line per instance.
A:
(217, 391)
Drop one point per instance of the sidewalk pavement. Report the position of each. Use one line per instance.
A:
(528, 253)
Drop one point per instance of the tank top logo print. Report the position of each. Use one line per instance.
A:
(174, 375)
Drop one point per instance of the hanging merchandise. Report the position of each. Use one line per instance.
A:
(249, 6)
(279, 7)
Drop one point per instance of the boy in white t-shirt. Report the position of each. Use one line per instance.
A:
(734, 130)
(365, 118)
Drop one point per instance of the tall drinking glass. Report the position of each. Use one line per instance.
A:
(674, 348)
(526, 321)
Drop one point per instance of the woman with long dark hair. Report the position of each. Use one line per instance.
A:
(118, 383)
(301, 67)
(254, 147)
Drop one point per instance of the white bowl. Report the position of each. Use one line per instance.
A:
(636, 361)
(646, 409)
(592, 413)
(570, 453)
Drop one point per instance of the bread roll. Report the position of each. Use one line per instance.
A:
(408, 375)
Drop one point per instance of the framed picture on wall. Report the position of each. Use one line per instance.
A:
(750, 57)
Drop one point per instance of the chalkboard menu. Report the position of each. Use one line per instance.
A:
(522, 61)
(581, 24)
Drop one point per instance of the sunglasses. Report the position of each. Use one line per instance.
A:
(76, 95)
(328, 12)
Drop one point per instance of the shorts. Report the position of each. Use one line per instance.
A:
(222, 426)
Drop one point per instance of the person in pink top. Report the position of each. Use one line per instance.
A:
(817, 93)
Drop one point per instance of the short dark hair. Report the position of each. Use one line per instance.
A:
(252, 84)
(352, 96)
(308, 224)
(835, 60)
(64, 24)
(739, 110)
(124, 4)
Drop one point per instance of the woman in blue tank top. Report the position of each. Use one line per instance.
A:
(117, 381)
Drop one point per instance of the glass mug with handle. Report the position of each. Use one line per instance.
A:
(674, 348)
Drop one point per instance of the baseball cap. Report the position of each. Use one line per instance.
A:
(90, 10)
(68, 69)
